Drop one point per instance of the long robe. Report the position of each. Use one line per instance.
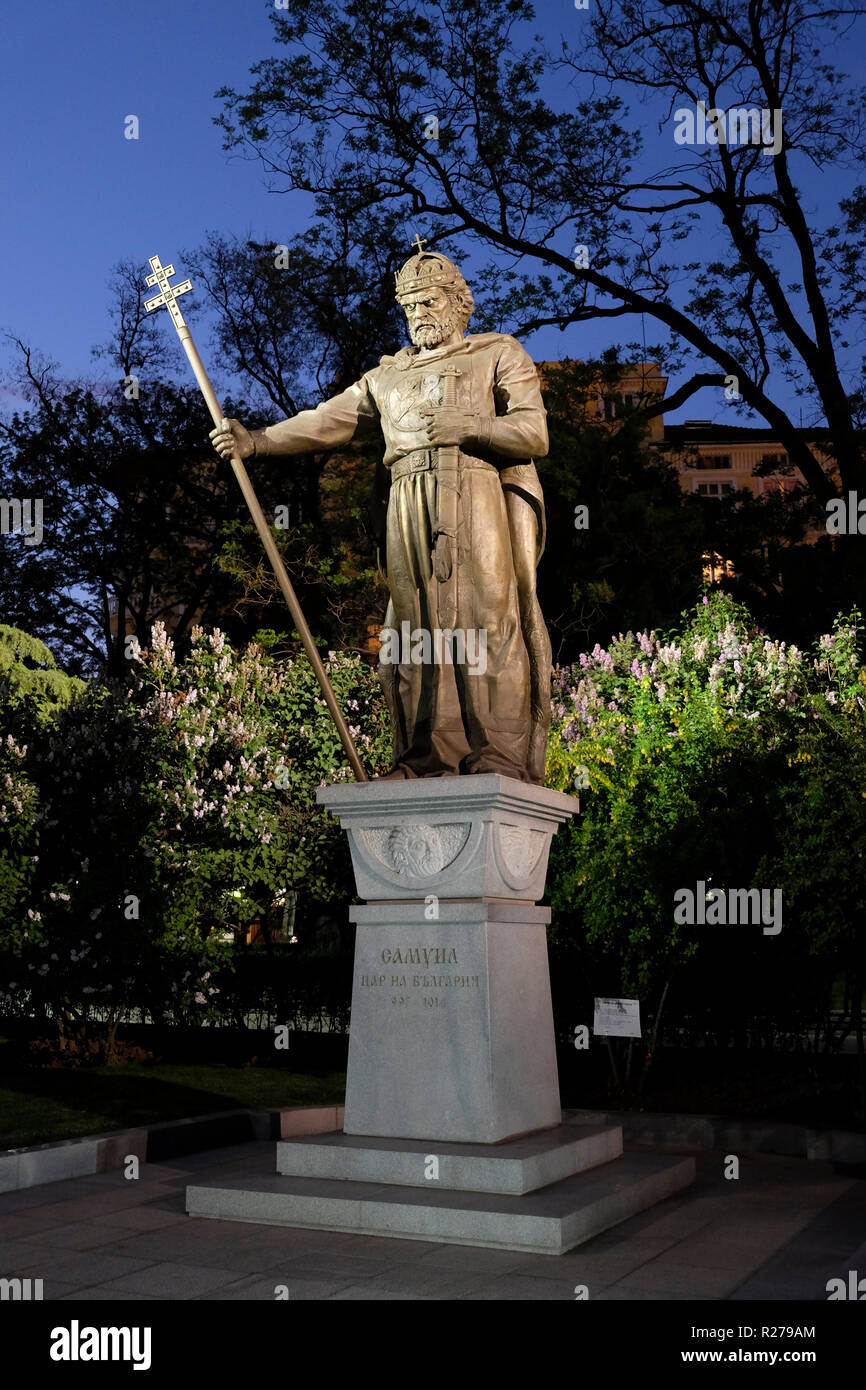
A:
(450, 718)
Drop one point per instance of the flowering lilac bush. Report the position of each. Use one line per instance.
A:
(702, 756)
(167, 815)
(243, 744)
(139, 828)
(645, 691)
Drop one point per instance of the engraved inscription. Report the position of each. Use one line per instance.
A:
(420, 955)
(416, 989)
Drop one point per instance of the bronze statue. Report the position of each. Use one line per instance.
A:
(465, 660)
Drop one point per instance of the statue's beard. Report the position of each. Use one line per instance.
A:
(430, 335)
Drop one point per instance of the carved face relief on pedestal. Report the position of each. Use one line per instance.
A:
(518, 850)
(415, 851)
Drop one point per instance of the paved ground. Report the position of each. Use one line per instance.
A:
(780, 1231)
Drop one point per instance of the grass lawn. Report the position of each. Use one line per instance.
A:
(40, 1105)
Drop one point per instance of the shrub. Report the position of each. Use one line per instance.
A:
(702, 755)
(169, 815)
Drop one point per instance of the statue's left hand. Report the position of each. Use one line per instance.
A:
(448, 425)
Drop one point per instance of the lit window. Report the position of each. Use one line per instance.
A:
(716, 568)
(713, 489)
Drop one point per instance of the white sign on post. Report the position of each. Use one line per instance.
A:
(617, 1018)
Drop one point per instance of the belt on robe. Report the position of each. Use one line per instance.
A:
(422, 460)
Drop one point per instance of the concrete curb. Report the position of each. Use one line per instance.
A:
(732, 1136)
(103, 1153)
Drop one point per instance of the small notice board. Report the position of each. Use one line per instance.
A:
(617, 1018)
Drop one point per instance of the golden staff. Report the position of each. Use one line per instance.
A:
(168, 297)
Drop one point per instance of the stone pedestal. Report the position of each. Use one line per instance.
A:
(452, 1121)
(452, 1028)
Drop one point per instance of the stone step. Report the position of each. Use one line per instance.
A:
(520, 1166)
(549, 1221)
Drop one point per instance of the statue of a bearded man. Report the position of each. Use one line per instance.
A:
(465, 660)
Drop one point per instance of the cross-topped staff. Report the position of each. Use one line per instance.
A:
(168, 297)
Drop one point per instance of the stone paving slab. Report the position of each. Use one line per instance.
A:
(21, 1225)
(81, 1267)
(621, 1295)
(523, 1289)
(778, 1232)
(599, 1268)
(667, 1281)
(145, 1218)
(257, 1288)
(339, 1264)
(472, 1258)
(106, 1293)
(174, 1281)
(359, 1292)
(789, 1291)
(77, 1235)
(401, 1281)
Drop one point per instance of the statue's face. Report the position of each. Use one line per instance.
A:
(431, 315)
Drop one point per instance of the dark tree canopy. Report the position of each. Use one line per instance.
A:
(133, 510)
(718, 244)
(141, 521)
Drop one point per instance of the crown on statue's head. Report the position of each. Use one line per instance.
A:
(426, 269)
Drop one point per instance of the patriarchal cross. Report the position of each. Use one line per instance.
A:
(168, 297)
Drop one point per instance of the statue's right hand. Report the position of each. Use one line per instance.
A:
(230, 438)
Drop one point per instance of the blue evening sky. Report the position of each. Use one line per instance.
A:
(78, 196)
